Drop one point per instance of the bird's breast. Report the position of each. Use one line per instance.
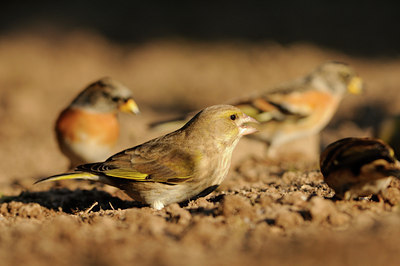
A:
(79, 125)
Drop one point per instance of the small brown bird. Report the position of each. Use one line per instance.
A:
(88, 128)
(301, 107)
(185, 164)
(357, 167)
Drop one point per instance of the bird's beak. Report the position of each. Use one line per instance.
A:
(355, 85)
(244, 128)
(129, 106)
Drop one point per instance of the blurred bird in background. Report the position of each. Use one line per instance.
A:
(88, 128)
(357, 167)
(297, 108)
(188, 163)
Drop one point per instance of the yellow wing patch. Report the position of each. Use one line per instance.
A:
(138, 176)
(127, 174)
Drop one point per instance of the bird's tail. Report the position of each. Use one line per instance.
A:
(67, 176)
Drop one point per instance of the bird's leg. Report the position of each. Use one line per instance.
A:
(381, 200)
(272, 150)
(158, 205)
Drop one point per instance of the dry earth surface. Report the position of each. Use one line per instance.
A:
(266, 212)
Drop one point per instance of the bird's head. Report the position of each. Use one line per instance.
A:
(107, 95)
(336, 77)
(223, 123)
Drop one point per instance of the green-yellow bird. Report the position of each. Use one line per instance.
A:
(185, 164)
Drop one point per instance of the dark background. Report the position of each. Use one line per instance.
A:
(369, 28)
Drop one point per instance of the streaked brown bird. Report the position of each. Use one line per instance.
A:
(88, 129)
(187, 163)
(358, 167)
(301, 107)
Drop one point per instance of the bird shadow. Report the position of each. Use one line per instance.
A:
(72, 201)
(368, 115)
(371, 115)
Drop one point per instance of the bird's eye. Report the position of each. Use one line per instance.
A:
(233, 117)
(115, 99)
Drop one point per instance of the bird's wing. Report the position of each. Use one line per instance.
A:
(358, 153)
(279, 106)
(164, 164)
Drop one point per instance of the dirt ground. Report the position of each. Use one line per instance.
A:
(266, 212)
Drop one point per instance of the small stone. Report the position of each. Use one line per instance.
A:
(287, 218)
(321, 209)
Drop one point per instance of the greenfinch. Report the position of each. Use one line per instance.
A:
(358, 167)
(88, 129)
(188, 163)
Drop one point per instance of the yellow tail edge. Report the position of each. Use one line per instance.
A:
(67, 176)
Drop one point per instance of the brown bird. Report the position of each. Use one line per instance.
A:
(88, 129)
(301, 107)
(357, 167)
(185, 164)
